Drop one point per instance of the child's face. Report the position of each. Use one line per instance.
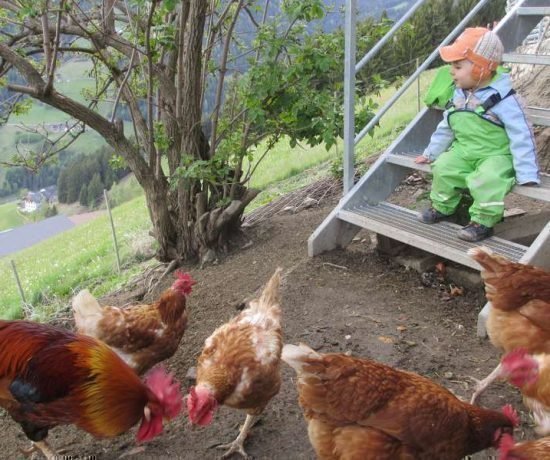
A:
(461, 72)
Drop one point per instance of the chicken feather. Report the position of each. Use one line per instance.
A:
(142, 335)
(520, 299)
(240, 364)
(357, 408)
(50, 376)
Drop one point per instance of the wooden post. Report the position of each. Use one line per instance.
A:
(21, 293)
(418, 85)
(112, 229)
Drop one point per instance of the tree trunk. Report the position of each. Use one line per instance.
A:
(156, 195)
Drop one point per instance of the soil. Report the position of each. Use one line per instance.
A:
(353, 300)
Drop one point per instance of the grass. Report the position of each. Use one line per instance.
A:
(9, 217)
(394, 119)
(78, 258)
(83, 257)
(283, 162)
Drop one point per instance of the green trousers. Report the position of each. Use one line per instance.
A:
(488, 179)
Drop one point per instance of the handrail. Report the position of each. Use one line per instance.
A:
(418, 71)
(389, 34)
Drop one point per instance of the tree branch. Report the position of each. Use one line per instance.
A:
(221, 78)
(46, 42)
(26, 68)
(154, 161)
(53, 62)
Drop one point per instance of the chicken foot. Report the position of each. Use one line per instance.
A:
(238, 444)
(43, 447)
(481, 385)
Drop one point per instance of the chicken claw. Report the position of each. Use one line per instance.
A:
(40, 446)
(481, 385)
(234, 447)
(237, 446)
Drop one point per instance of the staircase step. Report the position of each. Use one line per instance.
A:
(538, 193)
(517, 58)
(401, 224)
(533, 11)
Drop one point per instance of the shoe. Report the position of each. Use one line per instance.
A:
(431, 216)
(474, 232)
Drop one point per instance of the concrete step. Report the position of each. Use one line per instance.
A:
(517, 58)
(541, 192)
(402, 224)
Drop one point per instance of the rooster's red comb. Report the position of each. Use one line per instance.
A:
(184, 282)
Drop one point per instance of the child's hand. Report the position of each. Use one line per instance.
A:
(421, 159)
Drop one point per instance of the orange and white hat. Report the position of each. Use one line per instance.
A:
(477, 44)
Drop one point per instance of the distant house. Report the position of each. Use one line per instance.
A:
(33, 200)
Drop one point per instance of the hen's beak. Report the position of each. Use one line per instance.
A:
(147, 413)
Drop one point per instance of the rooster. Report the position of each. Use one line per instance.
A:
(50, 376)
(531, 374)
(520, 297)
(538, 449)
(142, 335)
(361, 409)
(240, 365)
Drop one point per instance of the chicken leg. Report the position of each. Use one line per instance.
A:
(237, 444)
(41, 446)
(481, 385)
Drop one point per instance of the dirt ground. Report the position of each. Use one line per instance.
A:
(347, 300)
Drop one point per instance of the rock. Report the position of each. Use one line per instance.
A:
(309, 202)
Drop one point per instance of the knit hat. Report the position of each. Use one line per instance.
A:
(477, 44)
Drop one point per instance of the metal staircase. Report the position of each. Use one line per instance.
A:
(364, 205)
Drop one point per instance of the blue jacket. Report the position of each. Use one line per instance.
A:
(508, 112)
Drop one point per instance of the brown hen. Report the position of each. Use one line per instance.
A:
(240, 365)
(358, 409)
(142, 335)
(520, 313)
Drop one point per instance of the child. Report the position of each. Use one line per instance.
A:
(483, 143)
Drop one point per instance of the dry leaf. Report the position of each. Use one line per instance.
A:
(456, 291)
(134, 451)
(385, 339)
